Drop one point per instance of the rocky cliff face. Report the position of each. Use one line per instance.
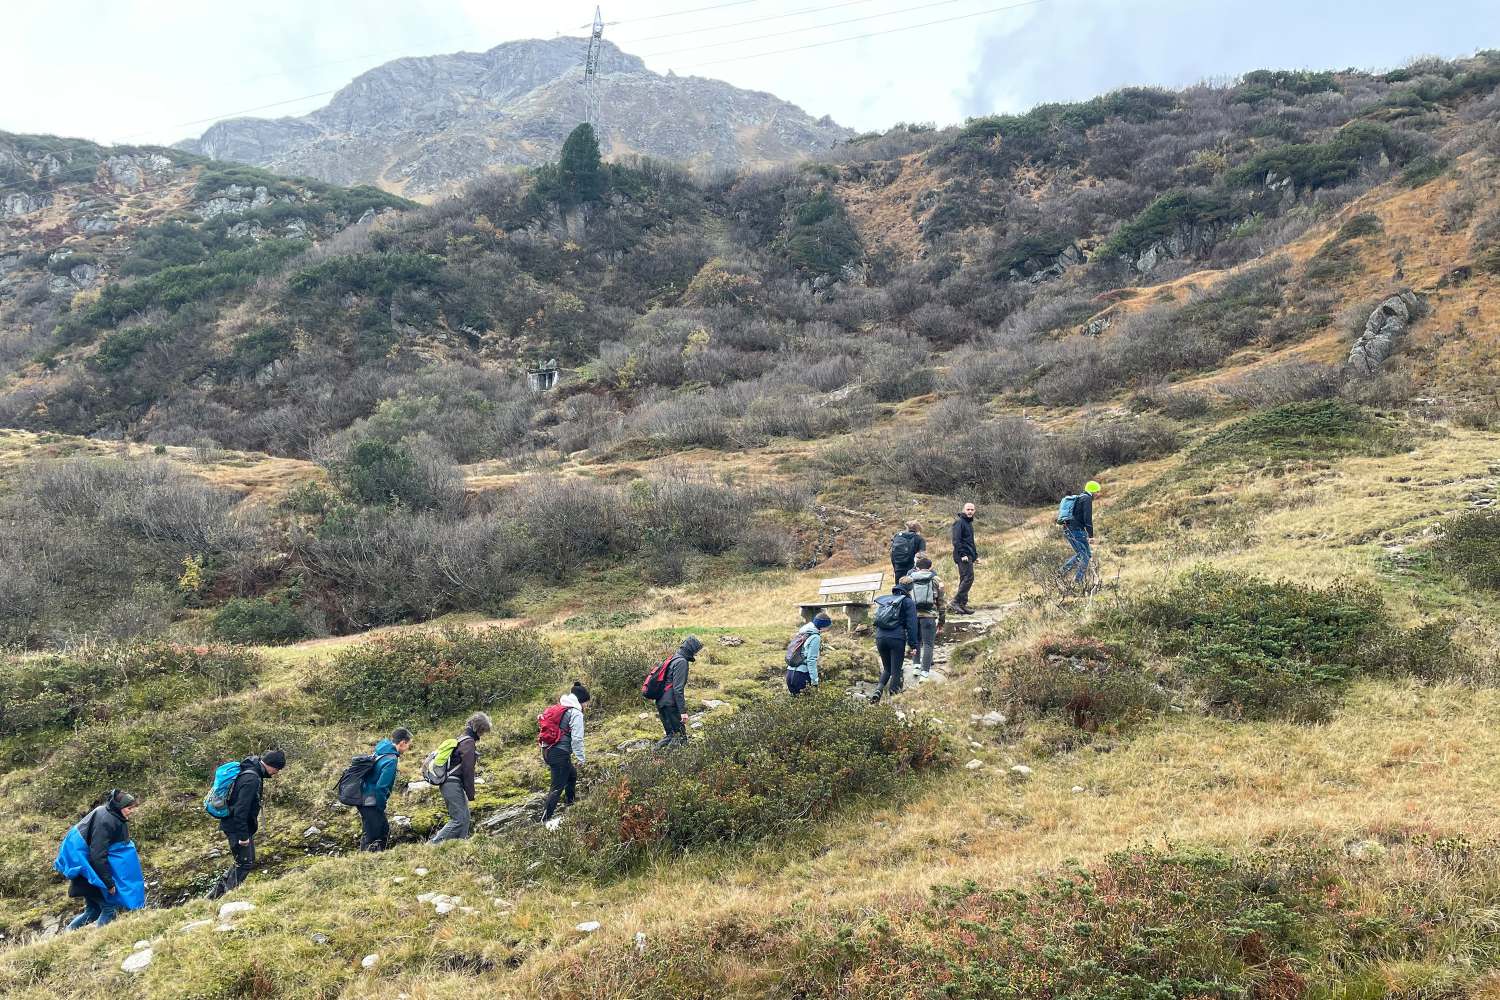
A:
(421, 126)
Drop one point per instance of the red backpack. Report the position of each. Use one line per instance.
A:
(655, 684)
(550, 725)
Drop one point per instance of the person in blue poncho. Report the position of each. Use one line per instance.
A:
(90, 861)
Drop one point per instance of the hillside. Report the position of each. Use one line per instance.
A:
(423, 126)
(299, 498)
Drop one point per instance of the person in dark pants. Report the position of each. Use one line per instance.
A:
(965, 555)
(926, 592)
(106, 825)
(559, 756)
(240, 825)
(673, 700)
(803, 653)
(377, 791)
(905, 547)
(895, 633)
(458, 783)
(1078, 529)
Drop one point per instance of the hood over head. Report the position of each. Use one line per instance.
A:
(690, 647)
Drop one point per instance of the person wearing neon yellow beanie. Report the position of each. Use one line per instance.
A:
(1075, 515)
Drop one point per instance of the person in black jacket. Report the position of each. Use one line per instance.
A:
(106, 825)
(244, 817)
(892, 643)
(965, 555)
(673, 700)
(905, 547)
(458, 784)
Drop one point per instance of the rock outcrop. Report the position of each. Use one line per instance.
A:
(1386, 325)
(425, 125)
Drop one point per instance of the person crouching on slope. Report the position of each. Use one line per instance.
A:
(802, 654)
(105, 826)
(561, 738)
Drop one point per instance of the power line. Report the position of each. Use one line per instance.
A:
(674, 13)
(868, 34)
(741, 24)
(812, 27)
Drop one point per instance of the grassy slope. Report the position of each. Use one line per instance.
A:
(1399, 759)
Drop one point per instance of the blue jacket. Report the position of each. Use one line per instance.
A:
(812, 646)
(908, 617)
(383, 778)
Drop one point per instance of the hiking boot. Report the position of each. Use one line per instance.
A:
(875, 698)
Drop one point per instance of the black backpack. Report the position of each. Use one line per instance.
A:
(351, 787)
(888, 612)
(903, 548)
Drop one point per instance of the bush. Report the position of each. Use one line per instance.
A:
(96, 683)
(435, 675)
(257, 621)
(1165, 216)
(769, 769)
(383, 473)
(1251, 648)
(1325, 164)
(1317, 430)
(1470, 548)
(613, 669)
(1088, 683)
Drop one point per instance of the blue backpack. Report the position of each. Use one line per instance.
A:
(216, 802)
(1065, 509)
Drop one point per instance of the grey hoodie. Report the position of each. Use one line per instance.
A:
(677, 674)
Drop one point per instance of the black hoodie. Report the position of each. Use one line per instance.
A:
(677, 674)
(244, 802)
(963, 538)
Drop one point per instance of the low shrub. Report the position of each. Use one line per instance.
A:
(613, 669)
(433, 675)
(258, 621)
(1470, 548)
(1088, 683)
(766, 546)
(1320, 429)
(96, 683)
(767, 770)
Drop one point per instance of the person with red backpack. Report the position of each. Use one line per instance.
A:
(667, 686)
(560, 735)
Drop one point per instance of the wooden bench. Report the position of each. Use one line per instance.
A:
(852, 593)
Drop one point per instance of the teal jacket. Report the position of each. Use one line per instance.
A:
(810, 649)
(383, 778)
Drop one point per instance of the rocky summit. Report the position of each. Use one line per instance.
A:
(420, 126)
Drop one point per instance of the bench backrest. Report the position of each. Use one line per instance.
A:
(848, 586)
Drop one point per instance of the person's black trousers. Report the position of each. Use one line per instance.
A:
(559, 760)
(377, 829)
(965, 581)
(671, 723)
(892, 664)
(244, 863)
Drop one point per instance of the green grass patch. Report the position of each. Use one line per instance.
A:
(1299, 432)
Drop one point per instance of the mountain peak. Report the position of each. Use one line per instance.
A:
(423, 124)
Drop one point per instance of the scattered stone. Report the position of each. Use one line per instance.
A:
(731, 640)
(640, 942)
(1020, 771)
(588, 927)
(992, 719)
(419, 871)
(708, 703)
(399, 879)
(138, 961)
(420, 787)
(229, 910)
(697, 725)
(1386, 325)
(318, 938)
(401, 822)
(1077, 789)
(194, 925)
(974, 764)
(644, 715)
(223, 928)
(369, 961)
(311, 832)
(1364, 850)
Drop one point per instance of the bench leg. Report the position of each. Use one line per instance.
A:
(808, 614)
(856, 615)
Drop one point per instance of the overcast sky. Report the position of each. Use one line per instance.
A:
(161, 70)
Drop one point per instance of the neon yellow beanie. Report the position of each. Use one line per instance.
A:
(1091, 487)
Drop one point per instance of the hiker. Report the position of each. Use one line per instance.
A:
(926, 592)
(457, 783)
(671, 702)
(905, 547)
(802, 654)
(895, 633)
(375, 827)
(85, 858)
(965, 555)
(561, 738)
(242, 816)
(1075, 515)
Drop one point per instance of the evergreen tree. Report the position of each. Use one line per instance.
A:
(579, 176)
